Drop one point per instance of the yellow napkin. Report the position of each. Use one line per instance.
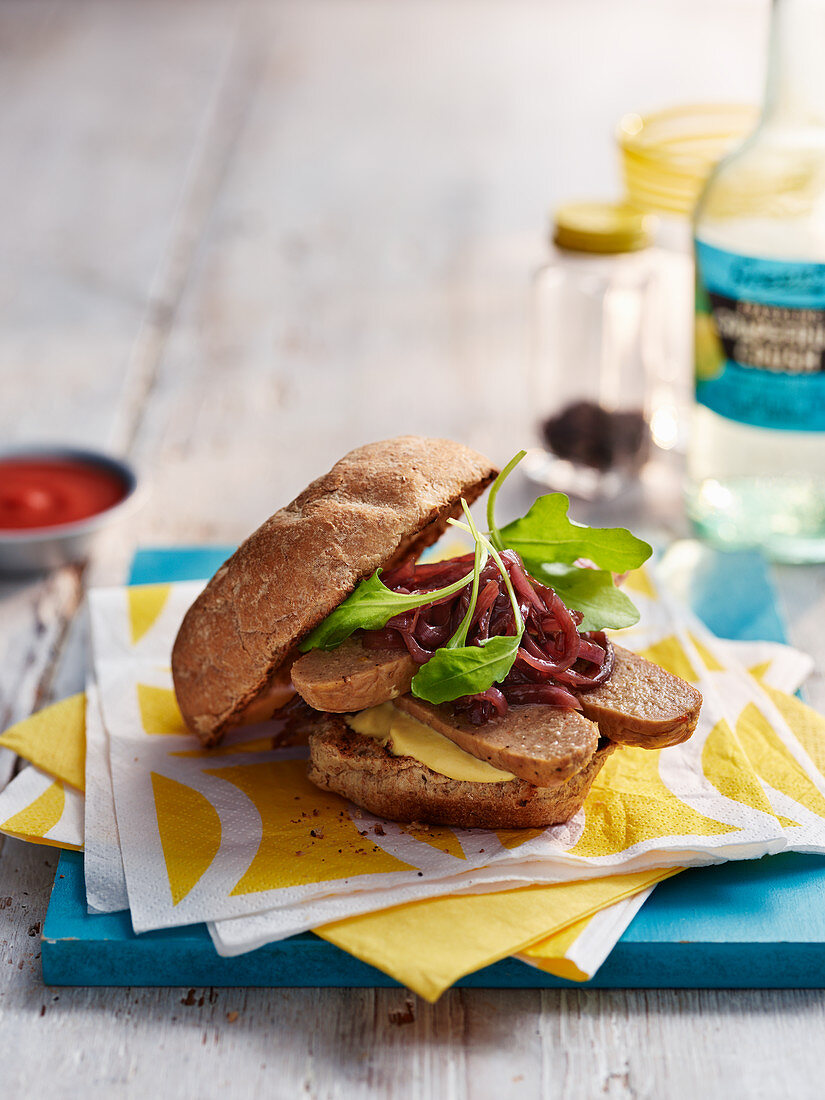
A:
(54, 740)
(577, 951)
(418, 945)
(43, 804)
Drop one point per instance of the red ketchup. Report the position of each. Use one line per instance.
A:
(48, 492)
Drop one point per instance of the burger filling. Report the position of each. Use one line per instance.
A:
(403, 735)
(553, 660)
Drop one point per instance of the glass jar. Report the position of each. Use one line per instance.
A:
(591, 351)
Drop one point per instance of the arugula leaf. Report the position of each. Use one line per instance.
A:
(451, 673)
(460, 637)
(505, 576)
(545, 534)
(370, 607)
(591, 591)
(494, 533)
(548, 543)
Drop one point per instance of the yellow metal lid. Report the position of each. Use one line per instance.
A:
(601, 227)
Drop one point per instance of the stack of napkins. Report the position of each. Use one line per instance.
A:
(237, 836)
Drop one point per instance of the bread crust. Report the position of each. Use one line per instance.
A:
(381, 504)
(402, 789)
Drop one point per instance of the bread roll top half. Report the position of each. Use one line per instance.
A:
(380, 505)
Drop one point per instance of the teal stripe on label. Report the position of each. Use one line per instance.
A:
(766, 400)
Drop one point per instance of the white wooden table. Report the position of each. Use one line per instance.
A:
(235, 242)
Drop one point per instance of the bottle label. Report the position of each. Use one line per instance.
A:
(760, 339)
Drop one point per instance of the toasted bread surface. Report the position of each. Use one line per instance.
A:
(380, 505)
(401, 789)
(542, 745)
(642, 704)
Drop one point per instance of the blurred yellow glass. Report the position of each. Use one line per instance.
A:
(668, 155)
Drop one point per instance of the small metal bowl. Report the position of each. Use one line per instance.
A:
(37, 549)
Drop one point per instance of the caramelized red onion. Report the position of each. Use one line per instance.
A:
(554, 661)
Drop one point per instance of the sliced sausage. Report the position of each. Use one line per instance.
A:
(352, 678)
(540, 744)
(275, 695)
(642, 705)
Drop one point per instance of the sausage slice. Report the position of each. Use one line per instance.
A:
(352, 678)
(642, 705)
(543, 745)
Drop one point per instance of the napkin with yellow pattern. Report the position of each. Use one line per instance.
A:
(56, 737)
(238, 837)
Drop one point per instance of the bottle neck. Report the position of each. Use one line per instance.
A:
(795, 93)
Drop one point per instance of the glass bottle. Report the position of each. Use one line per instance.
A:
(757, 455)
(589, 380)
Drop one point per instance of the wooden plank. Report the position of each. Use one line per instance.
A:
(367, 264)
(115, 257)
(100, 110)
(221, 1042)
(330, 1043)
(377, 223)
(117, 252)
(35, 622)
(746, 924)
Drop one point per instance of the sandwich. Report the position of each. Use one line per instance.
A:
(480, 691)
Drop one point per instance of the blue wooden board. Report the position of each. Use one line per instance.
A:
(758, 924)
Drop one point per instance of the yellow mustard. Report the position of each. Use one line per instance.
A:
(406, 736)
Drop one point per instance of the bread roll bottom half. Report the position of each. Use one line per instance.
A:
(401, 788)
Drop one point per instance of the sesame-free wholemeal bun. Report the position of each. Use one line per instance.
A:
(401, 747)
(403, 789)
(380, 505)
